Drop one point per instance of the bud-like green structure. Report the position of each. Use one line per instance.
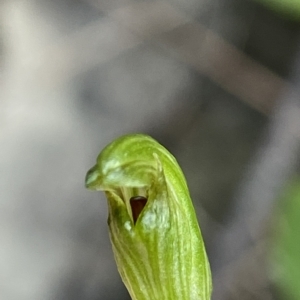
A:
(154, 232)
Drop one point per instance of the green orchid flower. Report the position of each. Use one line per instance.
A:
(154, 232)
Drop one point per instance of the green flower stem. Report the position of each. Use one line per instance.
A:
(154, 232)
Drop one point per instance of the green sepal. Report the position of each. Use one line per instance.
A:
(160, 255)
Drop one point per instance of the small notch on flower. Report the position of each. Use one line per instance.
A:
(137, 204)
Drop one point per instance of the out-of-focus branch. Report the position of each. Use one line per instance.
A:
(160, 23)
(224, 64)
(271, 167)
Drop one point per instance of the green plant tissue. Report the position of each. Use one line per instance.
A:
(287, 8)
(285, 258)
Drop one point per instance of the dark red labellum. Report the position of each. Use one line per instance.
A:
(137, 204)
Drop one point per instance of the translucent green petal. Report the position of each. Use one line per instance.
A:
(156, 241)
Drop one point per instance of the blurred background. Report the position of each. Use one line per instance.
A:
(215, 81)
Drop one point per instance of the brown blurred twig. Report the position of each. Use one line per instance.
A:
(159, 22)
(272, 165)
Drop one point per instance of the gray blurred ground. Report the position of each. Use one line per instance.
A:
(200, 76)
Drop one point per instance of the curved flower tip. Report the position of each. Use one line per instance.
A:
(154, 232)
